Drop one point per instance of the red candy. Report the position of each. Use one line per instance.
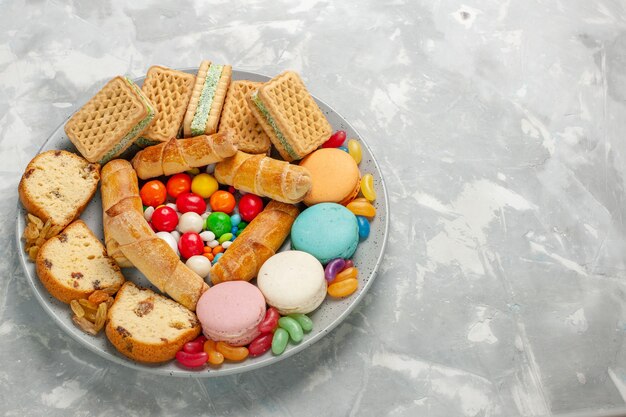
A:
(250, 206)
(336, 140)
(190, 244)
(195, 346)
(270, 321)
(190, 202)
(191, 360)
(164, 219)
(153, 193)
(178, 184)
(261, 344)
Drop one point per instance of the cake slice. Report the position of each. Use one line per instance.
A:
(147, 327)
(55, 187)
(236, 115)
(290, 116)
(74, 264)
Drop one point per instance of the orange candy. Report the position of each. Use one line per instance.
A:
(348, 273)
(218, 249)
(361, 207)
(232, 353)
(222, 201)
(343, 288)
(209, 256)
(215, 357)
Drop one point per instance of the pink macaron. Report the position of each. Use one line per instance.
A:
(231, 312)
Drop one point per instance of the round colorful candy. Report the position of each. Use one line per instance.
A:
(190, 222)
(199, 264)
(190, 202)
(164, 219)
(335, 140)
(250, 206)
(204, 185)
(178, 184)
(153, 193)
(222, 201)
(190, 244)
(218, 223)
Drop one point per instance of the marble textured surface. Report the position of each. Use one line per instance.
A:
(499, 126)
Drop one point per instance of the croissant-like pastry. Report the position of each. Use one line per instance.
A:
(265, 177)
(258, 241)
(180, 155)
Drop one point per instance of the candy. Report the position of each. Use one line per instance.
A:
(354, 149)
(250, 206)
(213, 243)
(367, 187)
(176, 235)
(343, 288)
(215, 357)
(199, 264)
(147, 213)
(279, 341)
(207, 236)
(232, 353)
(186, 202)
(190, 244)
(170, 240)
(349, 264)
(190, 222)
(270, 321)
(153, 193)
(217, 258)
(227, 244)
(218, 249)
(210, 169)
(204, 185)
(364, 227)
(195, 346)
(191, 360)
(235, 219)
(164, 219)
(261, 344)
(293, 328)
(332, 268)
(305, 322)
(347, 273)
(336, 140)
(209, 256)
(225, 237)
(361, 207)
(178, 184)
(193, 171)
(218, 223)
(233, 229)
(222, 201)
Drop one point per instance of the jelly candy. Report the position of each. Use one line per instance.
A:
(261, 344)
(336, 140)
(332, 268)
(361, 207)
(354, 149)
(305, 322)
(204, 185)
(214, 357)
(364, 227)
(232, 353)
(195, 346)
(343, 288)
(347, 273)
(279, 341)
(293, 328)
(270, 321)
(367, 187)
(191, 360)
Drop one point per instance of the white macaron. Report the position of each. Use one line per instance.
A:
(292, 282)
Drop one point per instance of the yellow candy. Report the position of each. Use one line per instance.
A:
(232, 353)
(204, 185)
(361, 207)
(215, 357)
(343, 288)
(354, 149)
(367, 187)
(348, 273)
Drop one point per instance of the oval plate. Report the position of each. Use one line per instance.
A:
(330, 314)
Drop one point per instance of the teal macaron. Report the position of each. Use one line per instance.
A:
(326, 231)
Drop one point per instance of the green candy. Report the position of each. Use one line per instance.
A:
(279, 341)
(293, 328)
(225, 237)
(305, 322)
(242, 225)
(218, 223)
(238, 232)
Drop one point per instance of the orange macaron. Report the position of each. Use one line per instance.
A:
(335, 176)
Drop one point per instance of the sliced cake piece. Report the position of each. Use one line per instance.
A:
(74, 264)
(147, 327)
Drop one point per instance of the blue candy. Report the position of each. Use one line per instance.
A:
(343, 148)
(217, 257)
(235, 219)
(234, 230)
(364, 227)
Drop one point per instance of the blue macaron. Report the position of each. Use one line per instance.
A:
(326, 231)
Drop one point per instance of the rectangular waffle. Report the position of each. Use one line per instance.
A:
(207, 100)
(237, 116)
(289, 116)
(110, 121)
(169, 90)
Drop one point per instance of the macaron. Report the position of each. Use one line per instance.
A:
(326, 231)
(231, 312)
(335, 176)
(292, 282)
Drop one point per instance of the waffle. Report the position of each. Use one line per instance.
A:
(207, 100)
(289, 115)
(110, 121)
(170, 91)
(237, 116)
